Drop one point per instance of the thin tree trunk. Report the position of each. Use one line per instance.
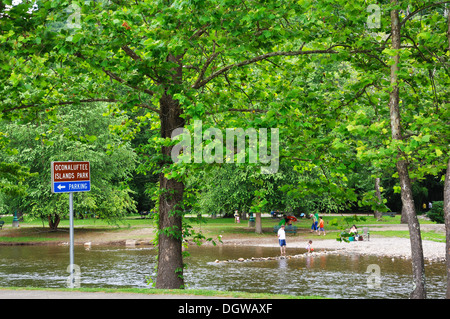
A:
(448, 29)
(418, 266)
(53, 221)
(258, 224)
(447, 195)
(447, 221)
(377, 214)
(408, 209)
(170, 260)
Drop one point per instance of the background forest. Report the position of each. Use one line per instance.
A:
(357, 89)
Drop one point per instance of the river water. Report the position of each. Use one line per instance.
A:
(331, 275)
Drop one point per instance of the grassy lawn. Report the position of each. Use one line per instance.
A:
(133, 220)
(35, 231)
(426, 235)
(227, 226)
(187, 292)
(6, 239)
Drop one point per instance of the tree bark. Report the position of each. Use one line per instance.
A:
(408, 208)
(447, 221)
(447, 196)
(418, 266)
(377, 214)
(448, 29)
(258, 224)
(403, 217)
(170, 259)
(53, 221)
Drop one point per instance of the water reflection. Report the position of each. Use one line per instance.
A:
(334, 276)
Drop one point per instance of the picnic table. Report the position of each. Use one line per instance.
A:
(391, 214)
(144, 214)
(288, 229)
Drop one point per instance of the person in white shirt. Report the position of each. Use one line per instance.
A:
(308, 247)
(282, 240)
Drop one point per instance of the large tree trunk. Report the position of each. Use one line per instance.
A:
(403, 217)
(447, 220)
(402, 168)
(170, 260)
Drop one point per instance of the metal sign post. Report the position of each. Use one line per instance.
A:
(72, 261)
(71, 177)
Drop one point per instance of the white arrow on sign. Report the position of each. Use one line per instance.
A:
(61, 187)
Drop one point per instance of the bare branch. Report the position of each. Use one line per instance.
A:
(412, 14)
(199, 84)
(205, 67)
(22, 107)
(151, 108)
(239, 110)
(200, 31)
(114, 76)
(357, 96)
(131, 53)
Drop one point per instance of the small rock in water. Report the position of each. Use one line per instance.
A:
(130, 242)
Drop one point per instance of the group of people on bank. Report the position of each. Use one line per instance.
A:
(317, 226)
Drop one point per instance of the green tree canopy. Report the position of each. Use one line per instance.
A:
(75, 133)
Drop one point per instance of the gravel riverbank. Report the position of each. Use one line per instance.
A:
(378, 246)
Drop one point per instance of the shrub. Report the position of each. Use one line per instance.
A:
(436, 213)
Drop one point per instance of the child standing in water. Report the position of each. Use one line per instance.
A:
(282, 240)
(308, 246)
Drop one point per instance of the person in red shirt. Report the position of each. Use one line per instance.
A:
(321, 224)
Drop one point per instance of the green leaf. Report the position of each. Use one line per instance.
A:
(77, 37)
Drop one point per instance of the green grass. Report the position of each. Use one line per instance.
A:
(133, 220)
(5, 239)
(228, 225)
(195, 292)
(33, 230)
(426, 235)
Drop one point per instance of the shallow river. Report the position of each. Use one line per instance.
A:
(334, 276)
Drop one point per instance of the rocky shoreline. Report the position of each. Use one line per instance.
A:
(379, 246)
(393, 247)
